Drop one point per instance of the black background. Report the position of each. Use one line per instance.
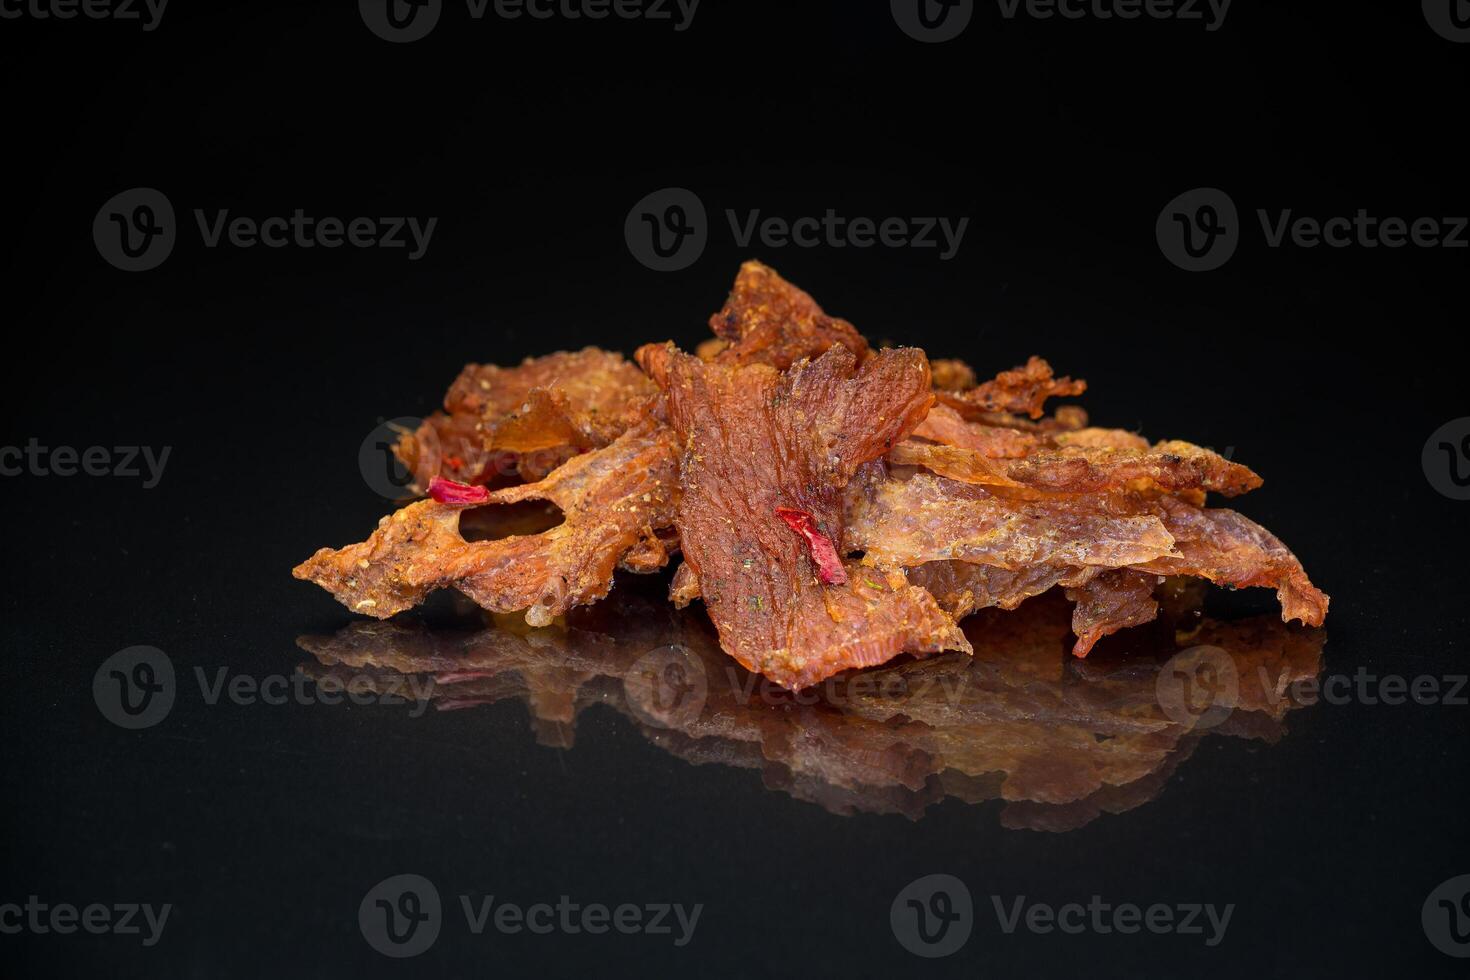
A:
(1325, 369)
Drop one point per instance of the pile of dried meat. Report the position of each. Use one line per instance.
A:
(834, 505)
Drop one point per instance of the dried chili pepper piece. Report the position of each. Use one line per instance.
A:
(450, 492)
(824, 553)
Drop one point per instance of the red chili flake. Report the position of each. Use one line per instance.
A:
(455, 462)
(449, 492)
(829, 566)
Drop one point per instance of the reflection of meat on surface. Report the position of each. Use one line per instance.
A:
(1059, 741)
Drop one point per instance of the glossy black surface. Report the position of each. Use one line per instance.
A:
(264, 826)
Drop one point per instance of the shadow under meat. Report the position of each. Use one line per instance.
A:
(1058, 740)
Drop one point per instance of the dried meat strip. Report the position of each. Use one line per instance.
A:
(948, 427)
(1110, 602)
(962, 587)
(948, 374)
(925, 518)
(756, 439)
(530, 418)
(1230, 549)
(1171, 466)
(1021, 391)
(913, 521)
(614, 499)
(767, 320)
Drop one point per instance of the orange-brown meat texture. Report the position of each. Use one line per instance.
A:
(614, 500)
(1022, 391)
(756, 439)
(767, 320)
(530, 418)
(1112, 601)
(923, 521)
(1171, 466)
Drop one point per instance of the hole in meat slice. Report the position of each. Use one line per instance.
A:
(509, 520)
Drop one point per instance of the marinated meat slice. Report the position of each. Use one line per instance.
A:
(910, 520)
(767, 320)
(948, 374)
(946, 426)
(925, 518)
(613, 499)
(962, 587)
(1230, 549)
(1110, 602)
(756, 439)
(1101, 439)
(531, 418)
(1022, 391)
(684, 589)
(1171, 466)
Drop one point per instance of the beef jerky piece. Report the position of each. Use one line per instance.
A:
(1171, 466)
(1100, 439)
(946, 426)
(451, 445)
(612, 500)
(530, 418)
(925, 518)
(1230, 549)
(684, 589)
(1110, 602)
(767, 320)
(962, 587)
(1021, 391)
(756, 439)
(951, 375)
